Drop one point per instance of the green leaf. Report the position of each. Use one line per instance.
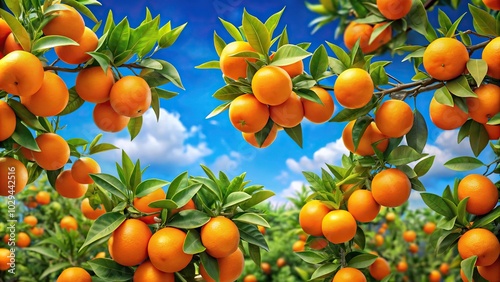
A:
(184, 194)
(192, 243)
(82, 9)
(210, 265)
(251, 218)
(189, 219)
(419, 53)
(487, 219)
(478, 138)
(111, 184)
(15, 6)
(403, 155)
(319, 63)
(443, 96)
(362, 261)
(477, 69)
(352, 114)
(447, 224)
(74, 102)
(51, 41)
(22, 136)
(437, 204)
(102, 148)
(218, 43)
(251, 234)
(483, 22)
(20, 33)
(164, 94)
(417, 18)
(257, 197)
(232, 30)
(163, 204)
(360, 237)
(417, 136)
(325, 270)
(256, 33)
(417, 185)
(219, 109)
(360, 125)
(463, 163)
(227, 93)
(170, 37)
(444, 21)
(235, 198)
(110, 270)
(312, 257)
(461, 212)
(134, 127)
(494, 120)
(453, 28)
(464, 131)
(422, 167)
(460, 87)
(45, 251)
(254, 253)
(149, 186)
(379, 76)
(119, 38)
(102, 59)
(289, 54)
(55, 268)
(142, 37)
(467, 266)
(155, 103)
(25, 115)
(209, 65)
(170, 72)
(103, 226)
(272, 22)
(295, 133)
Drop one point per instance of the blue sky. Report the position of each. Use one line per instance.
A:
(184, 138)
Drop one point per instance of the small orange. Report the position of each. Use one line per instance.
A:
(142, 204)
(493, 131)
(89, 212)
(23, 240)
(166, 252)
(262, 229)
(132, 235)
(74, 274)
(363, 32)
(492, 4)
(349, 274)
(413, 248)
(252, 140)
(363, 206)
(299, 246)
(50, 99)
(402, 266)
(444, 268)
(4, 32)
(482, 193)
(220, 236)
(391, 187)
(250, 278)
(21, 73)
(380, 268)
(266, 268)
(434, 276)
(69, 223)
(394, 9)
(353, 88)
(82, 168)
(230, 267)
(146, 272)
(67, 187)
(37, 231)
(4, 259)
(491, 52)
(42, 198)
(94, 85)
(446, 117)
(9, 167)
(11, 44)
(487, 103)
(189, 206)
(247, 114)
(54, 151)
(379, 240)
(7, 120)
(319, 113)
(288, 114)
(311, 217)
(100, 255)
(479, 242)
(77, 54)
(280, 262)
(235, 67)
(445, 58)
(30, 220)
(271, 85)
(67, 22)
(106, 119)
(490, 272)
(130, 96)
(390, 216)
(394, 118)
(294, 69)
(429, 227)
(409, 236)
(339, 226)
(371, 135)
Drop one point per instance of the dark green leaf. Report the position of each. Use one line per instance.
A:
(362, 261)
(417, 18)
(134, 127)
(210, 265)
(295, 133)
(319, 63)
(417, 137)
(403, 155)
(437, 204)
(422, 167)
(312, 257)
(460, 87)
(487, 219)
(251, 234)
(256, 33)
(22, 136)
(478, 138)
(110, 270)
(74, 102)
(25, 115)
(149, 186)
(103, 226)
(192, 243)
(111, 184)
(189, 219)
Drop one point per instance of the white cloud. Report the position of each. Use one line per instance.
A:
(331, 153)
(226, 163)
(283, 176)
(214, 122)
(280, 199)
(165, 141)
(415, 200)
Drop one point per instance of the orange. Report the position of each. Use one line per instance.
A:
(266, 268)
(491, 53)
(380, 268)
(464, 278)
(165, 250)
(482, 193)
(30, 220)
(142, 205)
(247, 114)
(303, 237)
(379, 240)
(11, 44)
(235, 67)
(23, 240)
(493, 131)
(132, 236)
(69, 223)
(189, 206)
(384, 37)
(66, 22)
(67, 187)
(299, 246)
(280, 262)
(402, 266)
(94, 85)
(4, 32)
(434, 276)
(413, 248)
(21, 73)
(391, 187)
(429, 227)
(445, 58)
(110, 245)
(362, 32)
(271, 85)
(54, 151)
(4, 259)
(50, 99)
(490, 272)
(349, 274)
(130, 96)
(73, 54)
(100, 255)
(444, 268)
(371, 135)
(487, 103)
(311, 217)
(250, 278)
(339, 226)
(394, 9)
(390, 216)
(82, 168)
(7, 121)
(394, 118)
(220, 236)
(262, 229)
(74, 274)
(318, 243)
(446, 117)
(106, 119)
(9, 167)
(42, 198)
(409, 236)
(146, 272)
(252, 140)
(479, 242)
(89, 212)
(318, 113)
(362, 206)
(37, 231)
(294, 69)
(6, 239)
(353, 88)
(288, 114)
(27, 154)
(492, 4)
(230, 267)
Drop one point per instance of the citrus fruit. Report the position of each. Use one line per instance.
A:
(230, 267)
(106, 119)
(311, 217)
(288, 114)
(89, 212)
(50, 99)
(7, 121)
(271, 85)
(42, 198)
(77, 54)
(94, 85)
(23, 240)
(11, 167)
(339, 226)
(479, 242)
(371, 135)
(444, 268)
(349, 274)
(82, 168)
(247, 114)
(363, 32)
(490, 272)
(487, 103)
(21, 73)
(482, 193)
(166, 252)
(252, 139)
(445, 58)
(235, 67)
(30, 220)
(492, 4)
(74, 274)
(402, 266)
(142, 204)
(429, 227)
(67, 22)
(130, 96)
(315, 112)
(391, 187)
(446, 117)
(69, 223)
(491, 53)
(353, 88)
(409, 236)
(189, 206)
(4, 259)
(379, 269)
(434, 276)
(220, 236)
(363, 206)
(146, 272)
(67, 187)
(394, 118)
(132, 235)
(394, 9)
(11, 44)
(299, 246)
(54, 151)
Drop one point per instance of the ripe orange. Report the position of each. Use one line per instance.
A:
(409, 236)
(362, 32)
(235, 67)
(67, 187)
(42, 198)
(50, 99)
(349, 274)
(7, 121)
(464, 278)
(30, 220)
(82, 168)
(37, 231)
(371, 135)
(100, 255)
(252, 140)
(189, 206)
(413, 248)
(146, 272)
(94, 85)
(492, 4)
(391, 188)
(303, 237)
(250, 278)
(27, 154)
(4, 259)
(165, 250)
(487, 103)
(318, 113)
(446, 117)
(132, 235)
(363, 206)
(353, 88)
(280, 262)
(4, 32)
(339, 226)
(8, 168)
(318, 243)
(106, 119)
(290, 113)
(262, 229)
(271, 85)
(77, 54)
(54, 151)
(299, 246)
(434, 276)
(482, 193)
(69, 223)
(21, 73)
(11, 44)
(402, 266)
(490, 272)
(429, 227)
(266, 268)
(311, 217)
(23, 240)
(294, 69)
(380, 268)
(445, 58)
(230, 267)
(394, 9)
(444, 268)
(74, 274)
(220, 236)
(480, 242)
(390, 216)
(66, 22)
(89, 212)
(394, 118)
(142, 205)
(247, 114)
(493, 131)
(379, 240)
(491, 52)
(130, 96)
